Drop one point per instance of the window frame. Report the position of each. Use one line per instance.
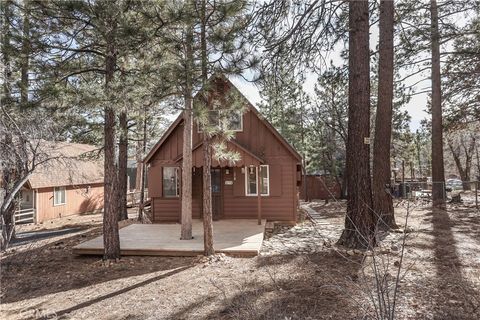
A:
(55, 204)
(257, 180)
(240, 113)
(177, 182)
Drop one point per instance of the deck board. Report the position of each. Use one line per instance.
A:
(240, 237)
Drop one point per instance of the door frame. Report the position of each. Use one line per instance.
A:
(220, 196)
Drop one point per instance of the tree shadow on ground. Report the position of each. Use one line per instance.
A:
(53, 268)
(319, 286)
(459, 298)
(61, 313)
(23, 238)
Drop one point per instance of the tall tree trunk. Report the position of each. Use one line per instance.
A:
(419, 157)
(477, 177)
(141, 205)
(139, 152)
(438, 173)
(469, 152)
(456, 149)
(111, 239)
(8, 203)
(25, 60)
(207, 201)
(122, 166)
(6, 98)
(382, 199)
(359, 221)
(207, 156)
(186, 229)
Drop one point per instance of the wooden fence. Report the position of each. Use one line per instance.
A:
(319, 187)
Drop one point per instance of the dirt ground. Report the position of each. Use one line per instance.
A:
(300, 274)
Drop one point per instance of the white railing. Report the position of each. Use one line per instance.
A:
(25, 216)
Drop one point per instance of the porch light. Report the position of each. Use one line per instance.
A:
(251, 170)
(227, 171)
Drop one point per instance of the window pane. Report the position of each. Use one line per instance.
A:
(235, 121)
(251, 180)
(264, 179)
(59, 195)
(213, 118)
(170, 182)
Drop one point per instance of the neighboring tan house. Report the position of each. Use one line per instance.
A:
(263, 153)
(71, 184)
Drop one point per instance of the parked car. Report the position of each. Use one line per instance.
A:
(454, 184)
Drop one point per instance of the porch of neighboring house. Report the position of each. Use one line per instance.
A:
(238, 237)
(25, 212)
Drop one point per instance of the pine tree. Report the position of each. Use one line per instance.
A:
(182, 45)
(186, 211)
(382, 199)
(87, 41)
(330, 120)
(359, 221)
(438, 172)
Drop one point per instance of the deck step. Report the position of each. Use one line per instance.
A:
(269, 226)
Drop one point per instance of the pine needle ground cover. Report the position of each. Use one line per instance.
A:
(300, 274)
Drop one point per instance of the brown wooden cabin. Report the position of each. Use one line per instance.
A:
(234, 185)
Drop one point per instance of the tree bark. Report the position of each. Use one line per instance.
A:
(382, 199)
(111, 239)
(25, 57)
(139, 152)
(141, 205)
(186, 232)
(122, 166)
(6, 51)
(438, 173)
(359, 221)
(477, 177)
(458, 161)
(207, 156)
(207, 201)
(456, 149)
(468, 160)
(186, 210)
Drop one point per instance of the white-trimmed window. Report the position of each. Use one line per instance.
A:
(226, 120)
(251, 181)
(171, 182)
(59, 196)
(235, 121)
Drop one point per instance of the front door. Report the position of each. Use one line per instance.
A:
(217, 203)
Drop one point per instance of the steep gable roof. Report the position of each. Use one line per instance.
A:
(250, 107)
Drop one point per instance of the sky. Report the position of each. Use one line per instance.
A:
(416, 107)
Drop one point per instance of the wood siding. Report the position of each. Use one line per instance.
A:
(256, 137)
(257, 144)
(78, 201)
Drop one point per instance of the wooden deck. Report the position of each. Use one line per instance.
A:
(238, 237)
